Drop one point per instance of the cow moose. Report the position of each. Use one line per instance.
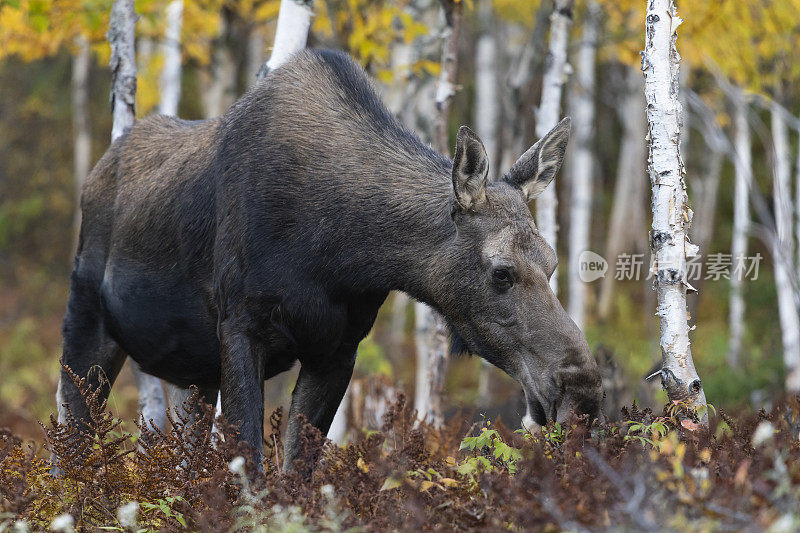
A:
(216, 253)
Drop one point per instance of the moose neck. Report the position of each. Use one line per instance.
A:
(401, 191)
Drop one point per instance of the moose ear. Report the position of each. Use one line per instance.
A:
(470, 168)
(537, 167)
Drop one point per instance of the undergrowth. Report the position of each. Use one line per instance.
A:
(646, 472)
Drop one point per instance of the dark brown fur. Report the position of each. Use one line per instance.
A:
(218, 253)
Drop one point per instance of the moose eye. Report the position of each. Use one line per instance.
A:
(502, 277)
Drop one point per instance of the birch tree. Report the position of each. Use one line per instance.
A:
(669, 238)
(430, 329)
(581, 104)
(627, 212)
(291, 32)
(152, 403)
(171, 72)
(82, 148)
(556, 71)
(782, 249)
(742, 166)
(797, 203)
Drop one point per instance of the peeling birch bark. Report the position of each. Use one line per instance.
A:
(580, 164)
(555, 74)
(446, 87)
(672, 217)
(742, 165)
(120, 36)
(171, 72)
(783, 250)
(291, 32)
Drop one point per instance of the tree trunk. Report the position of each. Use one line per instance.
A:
(82, 149)
(627, 213)
(555, 73)
(783, 250)
(432, 349)
(486, 120)
(797, 206)
(703, 222)
(446, 88)
(222, 85)
(123, 66)
(487, 105)
(741, 225)
(291, 32)
(397, 324)
(669, 239)
(255, 52)
(171, 72)
(431, 331)
(123, 100)
(581, 103)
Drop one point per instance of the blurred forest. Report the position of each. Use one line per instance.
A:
(739, 57)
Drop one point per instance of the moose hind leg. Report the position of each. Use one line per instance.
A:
(317, 396)
(88, 351)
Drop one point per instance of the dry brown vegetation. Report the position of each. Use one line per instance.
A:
(645, 472)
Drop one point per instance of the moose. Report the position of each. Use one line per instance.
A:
(217, 253)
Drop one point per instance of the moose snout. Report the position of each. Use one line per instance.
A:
(571, 387)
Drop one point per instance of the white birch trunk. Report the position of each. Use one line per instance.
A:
(121, 37)
(152, 403)
(82, 149)
(291, 32)
(581, 103)
(741, 224)
(797, 207)
(171, 72)
(432, 350)
(555, 74)
(397, 324)
(487, 103)
(782, 250)
(486, 119)
(626, 209)
(671, 214)
(338, 430)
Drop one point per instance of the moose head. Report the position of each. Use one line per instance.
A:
(501, 306)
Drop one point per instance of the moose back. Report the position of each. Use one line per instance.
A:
(217, 253)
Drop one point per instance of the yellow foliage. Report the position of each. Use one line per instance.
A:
(368, 28)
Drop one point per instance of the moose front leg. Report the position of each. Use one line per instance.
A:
(242, 387)
(317, 396)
